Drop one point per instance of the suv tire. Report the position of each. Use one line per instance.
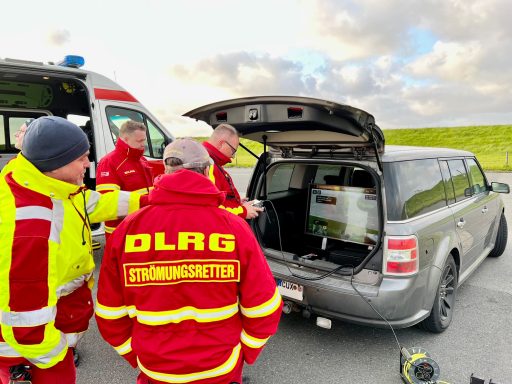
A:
(442, 311)
(501, 238)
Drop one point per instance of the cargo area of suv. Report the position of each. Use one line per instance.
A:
(320, 214)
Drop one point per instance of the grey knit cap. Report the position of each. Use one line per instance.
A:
(52, 142)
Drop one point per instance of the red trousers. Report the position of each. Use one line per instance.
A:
(61, 373)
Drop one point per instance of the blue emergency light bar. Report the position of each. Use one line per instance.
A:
(72, 61)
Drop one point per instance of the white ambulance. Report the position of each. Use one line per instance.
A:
(97, 104)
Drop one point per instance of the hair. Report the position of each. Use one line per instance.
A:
(131, 126)
(222, 132)
(172, 162)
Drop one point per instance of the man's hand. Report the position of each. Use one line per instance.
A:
(252, 211)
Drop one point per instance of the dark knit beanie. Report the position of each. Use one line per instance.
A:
(52, 142)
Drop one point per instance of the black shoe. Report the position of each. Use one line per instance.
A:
(76, 357)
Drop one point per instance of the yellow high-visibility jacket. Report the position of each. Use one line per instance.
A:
(46, 260)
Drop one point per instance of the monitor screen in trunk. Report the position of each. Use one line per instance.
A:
(343, 213)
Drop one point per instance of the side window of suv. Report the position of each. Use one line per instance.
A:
(447, 181)
(155, 138)
(459, 178)
(476, 176)
(413, 188)
(328, 174)
(281, 178)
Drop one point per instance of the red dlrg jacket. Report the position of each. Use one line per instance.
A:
(185, 292)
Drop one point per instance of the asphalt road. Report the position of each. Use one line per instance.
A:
(478, 340)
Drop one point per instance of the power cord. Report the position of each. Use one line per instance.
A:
(376, 311)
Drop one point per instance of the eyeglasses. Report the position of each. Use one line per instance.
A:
(233, 149)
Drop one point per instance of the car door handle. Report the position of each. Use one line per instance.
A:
(461, 223)
(485, 209)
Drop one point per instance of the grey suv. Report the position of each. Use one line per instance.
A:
(347, 216)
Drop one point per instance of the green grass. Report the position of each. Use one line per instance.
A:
(489, 143)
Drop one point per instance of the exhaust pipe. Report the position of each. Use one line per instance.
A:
(287, 307)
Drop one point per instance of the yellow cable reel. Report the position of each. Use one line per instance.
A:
(417, 367)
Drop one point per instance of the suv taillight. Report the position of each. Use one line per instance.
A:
(400, 255)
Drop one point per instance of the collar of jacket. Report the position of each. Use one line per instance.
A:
(126, 150)
(185, 187)
(216, 155)
(28, 176)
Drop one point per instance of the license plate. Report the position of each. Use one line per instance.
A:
(291, 290)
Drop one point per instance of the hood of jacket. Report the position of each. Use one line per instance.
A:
(217, 156)
(185, 187)
(124, 149)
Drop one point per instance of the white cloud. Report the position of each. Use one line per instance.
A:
(246, 74)
(409, 63)
(450, 61)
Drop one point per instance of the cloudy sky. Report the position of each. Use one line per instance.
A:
(413, 63)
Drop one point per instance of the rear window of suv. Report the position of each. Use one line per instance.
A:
(413, 188)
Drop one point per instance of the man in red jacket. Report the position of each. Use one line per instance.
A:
(125, 168)
(222, 146)
(185, 292)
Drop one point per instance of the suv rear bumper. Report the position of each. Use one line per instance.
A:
(403, 301)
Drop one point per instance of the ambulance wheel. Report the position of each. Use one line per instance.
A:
(444, 304)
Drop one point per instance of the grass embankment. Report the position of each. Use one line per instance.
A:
(489, 143)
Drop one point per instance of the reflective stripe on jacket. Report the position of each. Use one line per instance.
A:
(123, 169)
(185, 292)
(46, 261)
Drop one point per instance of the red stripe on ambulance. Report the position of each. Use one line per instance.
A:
(110, 94)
